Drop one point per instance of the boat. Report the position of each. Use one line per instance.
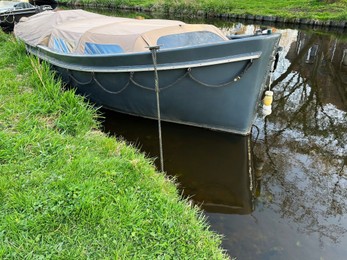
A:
(12, 12)
(167, 70)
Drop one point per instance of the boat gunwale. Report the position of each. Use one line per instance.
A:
(17, 11)
(149, 67)
(243, 39)
(57, 59)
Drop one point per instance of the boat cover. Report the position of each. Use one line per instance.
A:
(82, 32)
(36, 30)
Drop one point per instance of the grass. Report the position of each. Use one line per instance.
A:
(68, 191)
(309, 9)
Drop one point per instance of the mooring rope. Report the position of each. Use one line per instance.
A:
(189, 72)
(79, 82)
(154, 50)
(161, 88)
(8, 21)
(109, 91)
(236, 78)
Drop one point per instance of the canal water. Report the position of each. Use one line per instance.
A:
(281, 192)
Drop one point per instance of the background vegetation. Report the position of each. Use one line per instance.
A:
(308, 9)
(67, 191)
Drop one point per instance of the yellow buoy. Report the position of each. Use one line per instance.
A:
(267, 101)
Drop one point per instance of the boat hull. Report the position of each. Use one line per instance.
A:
(215, 86)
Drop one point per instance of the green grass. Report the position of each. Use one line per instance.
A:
(68, 191)
(310, 9)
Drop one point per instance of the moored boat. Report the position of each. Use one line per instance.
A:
(12, 12)
(203, 78)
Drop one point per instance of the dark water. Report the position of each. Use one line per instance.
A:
(280, 193)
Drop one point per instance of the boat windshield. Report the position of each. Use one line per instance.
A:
(188, 39)
(23, 5)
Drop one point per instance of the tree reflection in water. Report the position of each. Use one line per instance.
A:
(305, 138)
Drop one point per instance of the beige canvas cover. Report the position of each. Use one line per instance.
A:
(77, 27)
(72, 31)
(137, 35)
(36, 30)
(124, 32)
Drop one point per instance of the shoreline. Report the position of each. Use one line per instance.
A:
(271, 20)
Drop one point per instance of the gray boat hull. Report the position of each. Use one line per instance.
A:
(215, 86)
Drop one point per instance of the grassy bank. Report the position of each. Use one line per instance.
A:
(308, 9)
(67, 191)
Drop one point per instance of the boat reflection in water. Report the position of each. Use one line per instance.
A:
(214, 169)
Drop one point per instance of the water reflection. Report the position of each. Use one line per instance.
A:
(317, 61)
(298, 209)
(214, 169)
(305, 139)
